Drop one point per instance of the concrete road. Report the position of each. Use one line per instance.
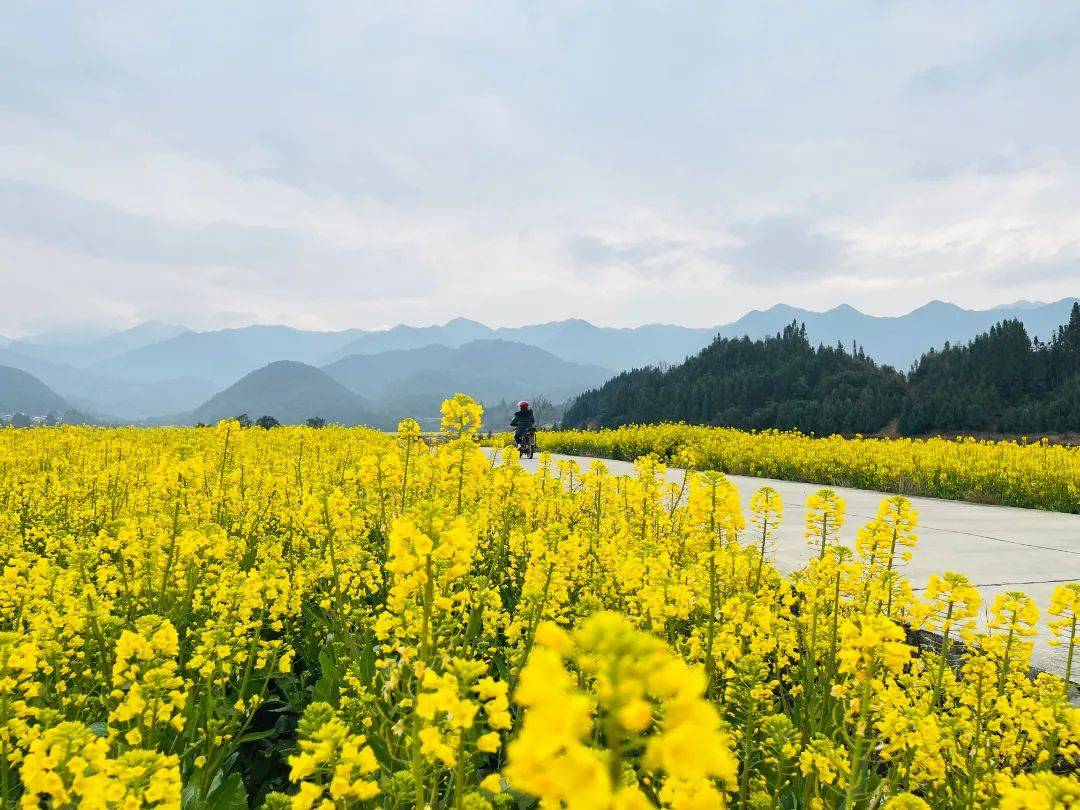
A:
(999, 548)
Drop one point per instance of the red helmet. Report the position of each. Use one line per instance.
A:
(523, 404)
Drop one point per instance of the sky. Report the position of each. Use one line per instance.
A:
(335, 165)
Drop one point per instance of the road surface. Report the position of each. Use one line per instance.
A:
(999, 548)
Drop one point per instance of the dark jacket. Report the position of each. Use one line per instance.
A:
(523, 419)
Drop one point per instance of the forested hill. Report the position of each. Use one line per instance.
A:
(778, 382)
(1002, 381)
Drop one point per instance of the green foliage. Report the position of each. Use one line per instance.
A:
(1002, 381)
(778, 382)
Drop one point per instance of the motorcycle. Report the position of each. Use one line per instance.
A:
(526, 445)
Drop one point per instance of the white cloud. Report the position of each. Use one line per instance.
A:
(360, 165)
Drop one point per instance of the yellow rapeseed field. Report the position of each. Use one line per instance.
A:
(340, 618)
(1035, 475)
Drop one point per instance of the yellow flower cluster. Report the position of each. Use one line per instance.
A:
(69, 766)
(147, 691)
(643, 712)
(333, 765)
(1034, 475)
(824, 517)
(339, 618)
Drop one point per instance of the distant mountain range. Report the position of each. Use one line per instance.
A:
(223, 355)
(897, 341)
(489, 370)
(159, 369)
(380, 389)
(84, 349)
(113, 397)
(23, 393)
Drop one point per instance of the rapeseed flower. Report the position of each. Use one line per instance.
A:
(345, 618)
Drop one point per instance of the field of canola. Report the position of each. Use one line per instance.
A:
(1034, 475)
(338, 618)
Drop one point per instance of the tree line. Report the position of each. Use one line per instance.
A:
(1003, 381)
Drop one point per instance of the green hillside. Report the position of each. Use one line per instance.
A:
(23, 393)
(1002, 381)
(778, 382)
(290, 391)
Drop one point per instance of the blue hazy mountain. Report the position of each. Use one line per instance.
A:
(81, 348)
(897, 341)
(222, 356)
(575, 340)
(451, 335)
(133, 378)
(23, 393)
(109, 397)
(490, 370)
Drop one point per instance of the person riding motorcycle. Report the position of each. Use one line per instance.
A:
(523, 421)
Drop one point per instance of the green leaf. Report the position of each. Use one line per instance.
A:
(502, 667)
(230, 795)
(326, 688)
(189, 796)
(378, 747)
(255, 735)
(327, 665)
(476, 624)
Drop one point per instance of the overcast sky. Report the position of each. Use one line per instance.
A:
(330, 165)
